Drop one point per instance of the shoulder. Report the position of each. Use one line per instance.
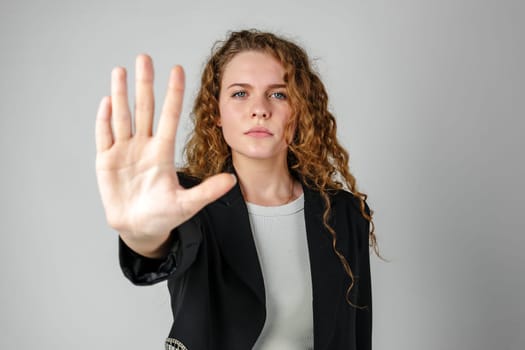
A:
(350, 200)
(346, 209)
(344, 206)
(338, 198)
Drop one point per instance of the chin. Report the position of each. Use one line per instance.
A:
(259, 155)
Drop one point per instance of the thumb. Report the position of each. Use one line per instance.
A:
(206, 192)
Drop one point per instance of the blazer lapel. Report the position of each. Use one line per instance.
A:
(234, 234)
(326, 270)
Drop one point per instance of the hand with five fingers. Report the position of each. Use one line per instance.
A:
(136, 173)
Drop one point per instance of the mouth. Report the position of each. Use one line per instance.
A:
(259, 132)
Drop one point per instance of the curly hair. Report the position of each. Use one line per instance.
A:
(314, 154)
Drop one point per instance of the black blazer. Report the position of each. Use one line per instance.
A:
(216, 285)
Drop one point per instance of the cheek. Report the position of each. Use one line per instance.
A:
(288, 126)
(224, 117)
(224, 111)
(228, 126)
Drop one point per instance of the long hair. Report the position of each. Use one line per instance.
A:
(314, 155)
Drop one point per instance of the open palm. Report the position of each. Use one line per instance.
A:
(136, 175)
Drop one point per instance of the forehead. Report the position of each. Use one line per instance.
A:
(253, 67)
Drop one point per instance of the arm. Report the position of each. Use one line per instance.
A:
(184, 245)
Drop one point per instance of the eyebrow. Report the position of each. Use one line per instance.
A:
(245, 85)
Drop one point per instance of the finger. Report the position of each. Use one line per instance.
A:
(171, 109)
(103, 132)
(209, 190)
(144, 99)
(119, 101)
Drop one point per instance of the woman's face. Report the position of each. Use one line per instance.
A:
(254, 107)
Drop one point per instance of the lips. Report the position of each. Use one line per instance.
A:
(259, 131)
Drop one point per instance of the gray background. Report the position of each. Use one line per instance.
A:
(430, 101)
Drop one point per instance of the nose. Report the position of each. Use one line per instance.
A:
(261, 109)
(264, 115)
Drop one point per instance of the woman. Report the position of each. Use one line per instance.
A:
(260, 243)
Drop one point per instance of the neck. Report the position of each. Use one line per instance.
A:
(266, 183)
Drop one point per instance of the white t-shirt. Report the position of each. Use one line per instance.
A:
(280, 237)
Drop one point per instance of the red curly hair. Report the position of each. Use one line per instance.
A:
(315, 155)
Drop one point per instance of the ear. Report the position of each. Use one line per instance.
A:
(219, 122)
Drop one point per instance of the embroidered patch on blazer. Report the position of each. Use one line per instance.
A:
(174, 344)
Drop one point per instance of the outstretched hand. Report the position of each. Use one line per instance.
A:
(136, 174)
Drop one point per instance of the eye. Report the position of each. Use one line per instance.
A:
(239, 94)
(278, 95)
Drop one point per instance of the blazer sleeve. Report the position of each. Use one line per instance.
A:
(364, 314)
(140, 270)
